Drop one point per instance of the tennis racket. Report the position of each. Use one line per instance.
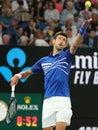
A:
(12, 107)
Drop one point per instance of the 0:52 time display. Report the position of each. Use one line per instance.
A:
(29, 121)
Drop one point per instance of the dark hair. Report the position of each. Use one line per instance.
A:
(76, 14)
(18, 27)
(51, 2)
(20, 2)
(69, 28)
(59, 33)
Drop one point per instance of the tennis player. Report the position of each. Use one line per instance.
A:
(57, 110)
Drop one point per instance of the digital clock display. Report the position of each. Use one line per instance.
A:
(28, 121)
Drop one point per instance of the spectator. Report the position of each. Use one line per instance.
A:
(85, 13)
(77, 20)
(24, 41)
(95, 9)
(91, 40)
(93, 1)
(65, 3)
(70, 35)
(50, 30)
(39, 12)
(30, 30)
(68, 12)
(94, 20)
(7, 18)
(19, 34)
(7, 4)
(79, 5)
(45, 4)
(69, 24)
(2, 13)
(21, 13)
(6, 39)
(59, 6)
(12, 31)
(25, 5)
(51, 13)
(15, 5)
(39, 39)
(31, 4)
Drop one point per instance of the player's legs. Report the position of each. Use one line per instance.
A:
(48, 128)
(48, 115)
(61, 125)
(63, 118)
(56, 112)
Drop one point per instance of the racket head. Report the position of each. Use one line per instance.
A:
(12, 110)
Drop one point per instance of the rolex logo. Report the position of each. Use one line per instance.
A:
(27, 99)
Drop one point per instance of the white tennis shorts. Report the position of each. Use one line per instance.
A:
(56, 109)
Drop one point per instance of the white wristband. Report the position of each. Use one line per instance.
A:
(19, 75)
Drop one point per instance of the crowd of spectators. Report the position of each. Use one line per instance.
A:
(34, 22)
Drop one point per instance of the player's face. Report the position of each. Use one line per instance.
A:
(60, 42)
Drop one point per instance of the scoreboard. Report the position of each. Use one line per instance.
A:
(28, 114)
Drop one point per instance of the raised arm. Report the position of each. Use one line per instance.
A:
(79, 38)
(16, 77)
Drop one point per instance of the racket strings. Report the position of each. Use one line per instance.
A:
(11, 111)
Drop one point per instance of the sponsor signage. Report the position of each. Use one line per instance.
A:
(84, 124)
(29, 112)
(86, 69)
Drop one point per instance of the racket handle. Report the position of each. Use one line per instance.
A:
(13, 88)
(12, 91)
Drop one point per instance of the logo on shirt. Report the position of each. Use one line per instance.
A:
(60, 64)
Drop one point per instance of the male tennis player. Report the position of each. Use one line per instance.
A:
(56, 105)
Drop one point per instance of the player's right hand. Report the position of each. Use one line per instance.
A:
(14, 80)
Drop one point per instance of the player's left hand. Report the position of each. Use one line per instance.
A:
(86, 22)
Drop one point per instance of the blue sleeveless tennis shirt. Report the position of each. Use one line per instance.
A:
(56, 73)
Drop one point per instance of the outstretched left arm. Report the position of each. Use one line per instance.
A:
(78, 39)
